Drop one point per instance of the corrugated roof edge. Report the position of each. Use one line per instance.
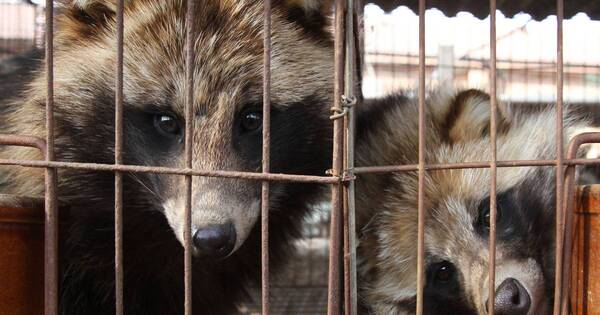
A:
(538, 9)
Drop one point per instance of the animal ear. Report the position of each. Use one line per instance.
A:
(88, 5)
(312, 15)
(468, 117)
(83, 18)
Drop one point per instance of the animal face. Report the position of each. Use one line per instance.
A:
(457, 213)
(456, 241)
(227, 107)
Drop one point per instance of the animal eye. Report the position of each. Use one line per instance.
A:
(251, 120)
(486, 215)
(444, 272)
(167, 125)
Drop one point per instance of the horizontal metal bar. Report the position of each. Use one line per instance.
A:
(276, 177)
(23, 141)
(431, 60)
(467, 165)
(15, 140)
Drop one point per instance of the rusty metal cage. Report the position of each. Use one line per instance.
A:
(342, 296)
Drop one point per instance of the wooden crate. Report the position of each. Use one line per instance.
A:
(21, 255)
(585, 275)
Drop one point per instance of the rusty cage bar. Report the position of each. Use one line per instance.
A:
(342, 260)
(266, 138)
(493, 163)
(564, 203)
(51, 220)
(119, 160)
(560, 223)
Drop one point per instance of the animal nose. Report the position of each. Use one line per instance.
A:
(511, 298)
(215, 241)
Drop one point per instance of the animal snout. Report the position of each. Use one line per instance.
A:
(215, 241)
(511, 298)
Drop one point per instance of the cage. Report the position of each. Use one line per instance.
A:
(386, 46)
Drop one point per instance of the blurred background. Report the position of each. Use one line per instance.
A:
(457, 54)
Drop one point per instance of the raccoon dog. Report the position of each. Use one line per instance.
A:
(227, 136)
(457, 213)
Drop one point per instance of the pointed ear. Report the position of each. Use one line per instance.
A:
(313, 16)
(79, 19)
(468, 117)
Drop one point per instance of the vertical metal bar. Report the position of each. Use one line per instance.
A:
(493, 166)
(189, 135)
(333, 298)
(350, 294)
(119, 160)
(568, 213)
(35, 26)
(421, 170)
(265, 157)
(560, 222)
(51, 222)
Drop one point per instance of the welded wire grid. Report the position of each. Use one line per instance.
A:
(341, 174)
(51, 166)
(562, 230)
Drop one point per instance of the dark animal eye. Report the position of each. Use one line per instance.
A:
(486, 215)
(167, 125)
(251, 120)
(444, 272)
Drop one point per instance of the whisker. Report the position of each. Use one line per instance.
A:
(152, 192)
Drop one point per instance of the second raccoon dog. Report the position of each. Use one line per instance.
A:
(456, 208)
(227, 135)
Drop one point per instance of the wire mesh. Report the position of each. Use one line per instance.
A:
(340, 178)
(561, 287)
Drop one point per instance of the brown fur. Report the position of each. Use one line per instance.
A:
(457, 131)
(228, 80)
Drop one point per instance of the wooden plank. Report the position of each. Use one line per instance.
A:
(585, 274)
(21, 255)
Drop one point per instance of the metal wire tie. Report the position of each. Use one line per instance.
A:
(347, 102)
(348, 176)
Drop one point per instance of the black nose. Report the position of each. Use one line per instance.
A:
(511, 298)
(215, 241)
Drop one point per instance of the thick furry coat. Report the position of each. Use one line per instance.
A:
(228, 88)
(456, 203)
